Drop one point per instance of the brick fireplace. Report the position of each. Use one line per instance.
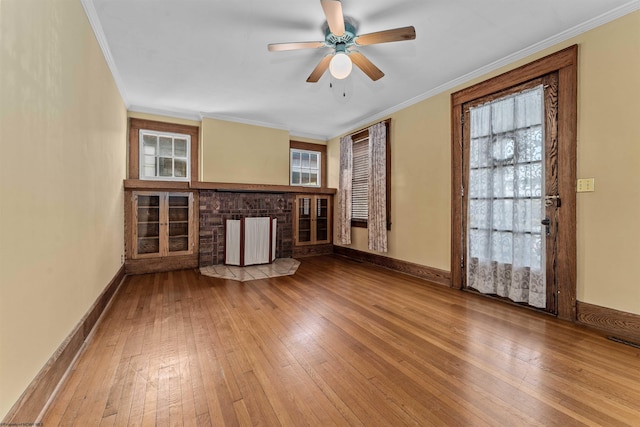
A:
(218, 206)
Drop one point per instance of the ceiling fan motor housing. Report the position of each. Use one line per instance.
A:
(347, 39)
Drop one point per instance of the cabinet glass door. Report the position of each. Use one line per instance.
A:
(148, 224)
(304, 219)
(178, 223)
(322, 219)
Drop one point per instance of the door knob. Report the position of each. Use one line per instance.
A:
(547, 225)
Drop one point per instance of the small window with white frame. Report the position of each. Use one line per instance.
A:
(305, 167)
(164, 156)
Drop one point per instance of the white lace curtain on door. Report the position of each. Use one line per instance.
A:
(505, 241)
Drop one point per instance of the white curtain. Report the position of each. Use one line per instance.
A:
(506, 241)
(377, 218)
(344, 190)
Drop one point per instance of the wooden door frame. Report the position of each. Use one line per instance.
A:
(565, 63)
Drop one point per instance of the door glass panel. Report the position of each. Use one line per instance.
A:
(505, 251)
(322, 223)
(178, 223)
(148, 226)
(304, 219)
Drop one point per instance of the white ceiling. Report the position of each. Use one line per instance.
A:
(209, 58)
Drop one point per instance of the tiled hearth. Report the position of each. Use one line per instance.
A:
(218, 206)
(280, 267)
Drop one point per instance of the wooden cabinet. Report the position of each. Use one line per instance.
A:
(162, 231)
(163, 224)
(312, 220)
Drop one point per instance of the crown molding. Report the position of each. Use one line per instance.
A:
(296, 134)
(176, 114)
(94, 22)
(244, 121)
(277, 126)
(605, 18)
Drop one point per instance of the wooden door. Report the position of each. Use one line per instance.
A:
(147, 224)
(511, 201)
(321, 220)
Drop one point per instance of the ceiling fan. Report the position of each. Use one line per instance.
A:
(341, 37)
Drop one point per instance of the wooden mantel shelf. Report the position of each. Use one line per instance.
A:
(137, 184)
(258, 188)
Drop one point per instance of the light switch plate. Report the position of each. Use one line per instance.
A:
(585, 185)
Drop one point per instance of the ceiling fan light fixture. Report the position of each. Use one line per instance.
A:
(340, 65)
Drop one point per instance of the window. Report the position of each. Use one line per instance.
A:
(161, 151)
(306, 164)
(164, 155)
(305, 167)
(360, 178)
(360, 181)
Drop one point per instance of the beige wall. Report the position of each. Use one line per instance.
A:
(229, 151)
(608, 150)
(63, 127)
(242, 153)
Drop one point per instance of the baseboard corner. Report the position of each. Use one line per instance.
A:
(619, 324)
(431, 274)
(34, 400)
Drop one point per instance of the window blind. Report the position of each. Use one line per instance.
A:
(360, 180)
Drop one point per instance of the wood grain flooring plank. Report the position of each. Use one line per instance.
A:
(339, 343)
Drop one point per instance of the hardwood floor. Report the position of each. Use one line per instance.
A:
(339, 343)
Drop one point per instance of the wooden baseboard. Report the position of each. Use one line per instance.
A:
(431, 274)
(619, 324)
(312, 250)
(34, 399)
(157, 265)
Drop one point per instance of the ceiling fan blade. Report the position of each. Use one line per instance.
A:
(395, 35)
(335, 18)
(320, 69)
(366, 66)
(276, 47)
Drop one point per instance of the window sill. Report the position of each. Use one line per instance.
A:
(362, 223)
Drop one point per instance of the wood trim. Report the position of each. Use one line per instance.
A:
(322, 149)
(270, 239)
(457, 211)
(159, 264)
(134, 127)
(619, 324)
(312, 250)
(567, 270)
(260, 188)
(38, 393)
(242, 242)
(138, 184)
(565, 63)
(431, 274)
(562, 59)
